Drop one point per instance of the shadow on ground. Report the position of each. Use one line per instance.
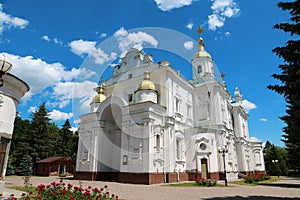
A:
(284, 185)
(253, 198)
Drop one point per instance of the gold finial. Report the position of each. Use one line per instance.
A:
(223, 75)
(199, 30)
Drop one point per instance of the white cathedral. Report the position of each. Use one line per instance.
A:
(150, 125)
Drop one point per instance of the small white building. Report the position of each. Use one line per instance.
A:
(148, 125)
(12, 90)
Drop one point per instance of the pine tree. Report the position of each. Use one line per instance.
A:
(290, 79)
(40, 136)
(21, 141)
(26, 166)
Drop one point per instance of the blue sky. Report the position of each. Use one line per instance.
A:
(55, 45)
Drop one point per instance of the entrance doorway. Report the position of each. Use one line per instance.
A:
(204, 169)
(110, 155)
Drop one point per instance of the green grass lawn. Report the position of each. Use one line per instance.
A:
(190, 184)
(23, 188)
(271, 180)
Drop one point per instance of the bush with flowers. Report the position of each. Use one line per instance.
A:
(254, 178)
(62, 191)
(205, 182)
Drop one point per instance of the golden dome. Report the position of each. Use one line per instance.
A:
(147, 84)
(100, 97)
(201, 52)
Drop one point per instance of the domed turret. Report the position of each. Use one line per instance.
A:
(100, 97)
(146, 84)
(146, 90)
(201, 52)
(202, 65)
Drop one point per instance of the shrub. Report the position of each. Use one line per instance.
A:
(61, 191)
(205, 182)
(254, 178)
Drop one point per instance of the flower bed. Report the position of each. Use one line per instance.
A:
(61, 191)
(205, 182)
(254, 178)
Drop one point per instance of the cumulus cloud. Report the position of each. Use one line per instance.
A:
(137, 40)
(55, 40)
(32, 109)
(167, 5)
(263, 119)
(83, 91)
(248, 106)
(73, 129)
(81, 47)
(57, 115)
(46, 38)
(7, 21)
(222, 10)
(190, 25)
(188, 45)
(40, 75)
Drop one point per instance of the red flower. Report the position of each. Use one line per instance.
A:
(89, 187)
(117, 197)
(63, 191)
(105, 186)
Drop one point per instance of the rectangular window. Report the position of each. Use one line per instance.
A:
(130, 97)
(178, 149)
(189, 111)
(177, 105)
(157, 142)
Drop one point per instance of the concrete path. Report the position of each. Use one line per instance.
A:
(288, 188)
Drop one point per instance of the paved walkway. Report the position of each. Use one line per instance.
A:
(288, 188)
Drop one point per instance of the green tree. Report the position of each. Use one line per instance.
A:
(26, 166)
(290, 81)
(21, 141)
(276, 161)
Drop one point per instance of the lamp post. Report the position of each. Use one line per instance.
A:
(275, 163)
(224, 150)
(5, 66)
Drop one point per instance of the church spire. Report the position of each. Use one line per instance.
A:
(201, 52)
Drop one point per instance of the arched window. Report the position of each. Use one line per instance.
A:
(199, 69)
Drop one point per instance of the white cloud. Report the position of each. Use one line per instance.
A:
(83, 91)
(135, 39)
(40, 75)
(32, 109)
(227, 34)
(188, 45)
(263, 119)
(190, 25)
(46, 38)
(167, 5)
(7, 21)
(81, 47)
(222, 10)
(73, 129)
(57, 115)
(103, 35)
(247, 105)
(55, 40)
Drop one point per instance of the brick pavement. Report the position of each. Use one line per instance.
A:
(288, 188)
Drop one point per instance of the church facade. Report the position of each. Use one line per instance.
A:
(148, 124)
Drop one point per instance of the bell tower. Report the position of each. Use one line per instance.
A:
(202, 63)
